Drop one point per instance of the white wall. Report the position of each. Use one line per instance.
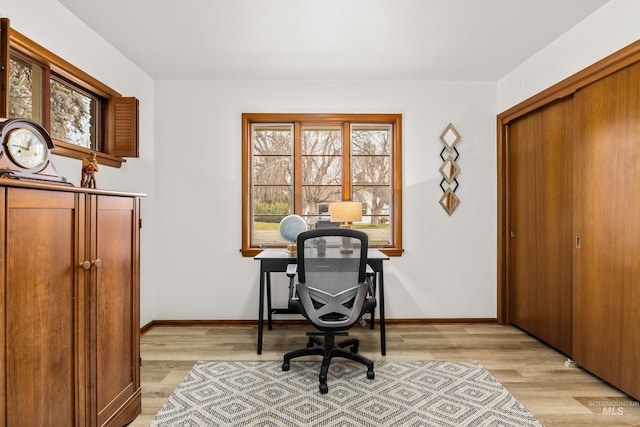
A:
(448, 268)
(190, 167)
(612, 27)
(51, 25)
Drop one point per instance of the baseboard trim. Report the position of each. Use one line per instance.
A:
(253, 322)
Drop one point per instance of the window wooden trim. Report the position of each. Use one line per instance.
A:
(396, 156)
(119, 138)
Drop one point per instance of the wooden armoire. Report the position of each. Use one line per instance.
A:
(569, 218)
(69, 313)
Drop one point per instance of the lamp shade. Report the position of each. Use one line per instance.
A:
(345, 211)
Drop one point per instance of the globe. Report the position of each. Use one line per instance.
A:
(291, 226)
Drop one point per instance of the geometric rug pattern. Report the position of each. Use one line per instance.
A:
(402, 394)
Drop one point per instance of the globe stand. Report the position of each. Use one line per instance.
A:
(292, 249)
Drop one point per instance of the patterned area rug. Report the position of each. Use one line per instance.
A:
(402, 394)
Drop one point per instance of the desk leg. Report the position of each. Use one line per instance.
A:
(383, 339)
(261, 310)
(374, 286)
(269, 325)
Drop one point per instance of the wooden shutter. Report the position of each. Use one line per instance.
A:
(4, 67)
(125, 127)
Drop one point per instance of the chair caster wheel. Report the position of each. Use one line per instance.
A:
(354, 349)
(371, 375)
(285, 366)
(309, 344)
(324, 388)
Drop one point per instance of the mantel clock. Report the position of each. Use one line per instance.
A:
(25, 152)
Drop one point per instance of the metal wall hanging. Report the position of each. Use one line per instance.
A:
(449, 169)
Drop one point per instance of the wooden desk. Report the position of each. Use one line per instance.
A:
(276, 261)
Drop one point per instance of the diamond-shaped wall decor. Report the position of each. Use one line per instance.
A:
(449, 201)
(449, 169)
(450, 137)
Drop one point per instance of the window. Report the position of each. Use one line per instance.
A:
(74, 114)
(25, 81)
(80, 113)
(300, 163)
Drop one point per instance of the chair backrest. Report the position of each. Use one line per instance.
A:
(332, 283)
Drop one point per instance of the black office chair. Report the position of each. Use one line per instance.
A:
(332, 292)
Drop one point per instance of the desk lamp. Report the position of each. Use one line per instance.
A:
(346, 213)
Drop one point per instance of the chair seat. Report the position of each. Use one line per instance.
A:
(295, 305)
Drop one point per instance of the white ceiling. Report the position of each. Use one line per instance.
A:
(330, 39)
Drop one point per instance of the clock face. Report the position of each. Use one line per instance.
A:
(27, 148)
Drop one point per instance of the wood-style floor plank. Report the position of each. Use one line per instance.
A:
(557, 394)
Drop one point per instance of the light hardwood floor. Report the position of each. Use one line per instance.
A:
(557, 394)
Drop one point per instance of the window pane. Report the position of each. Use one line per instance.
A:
(272, 170)
(272, 180)
(25, 90)
(376, 213)
(371, 170)
(371, 179)
(321, 170)
(325, 140)
(272, 139)
(315, 201)
(370, 140)
(268, 213)
(73, 115)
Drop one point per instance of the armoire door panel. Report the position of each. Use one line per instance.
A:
(539, 194)
(40, 313)
(116, 316)
(607, 219)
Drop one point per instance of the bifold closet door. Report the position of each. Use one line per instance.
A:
(606, 337)
(539, 197)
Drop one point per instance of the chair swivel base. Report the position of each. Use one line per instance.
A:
(329, 349)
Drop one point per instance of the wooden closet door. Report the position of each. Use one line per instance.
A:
(607, 221)
(539, 194)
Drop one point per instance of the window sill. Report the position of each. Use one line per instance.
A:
(75, 152)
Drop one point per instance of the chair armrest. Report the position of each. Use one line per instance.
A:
(368, 272)
(370, 275)
(292, 269)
